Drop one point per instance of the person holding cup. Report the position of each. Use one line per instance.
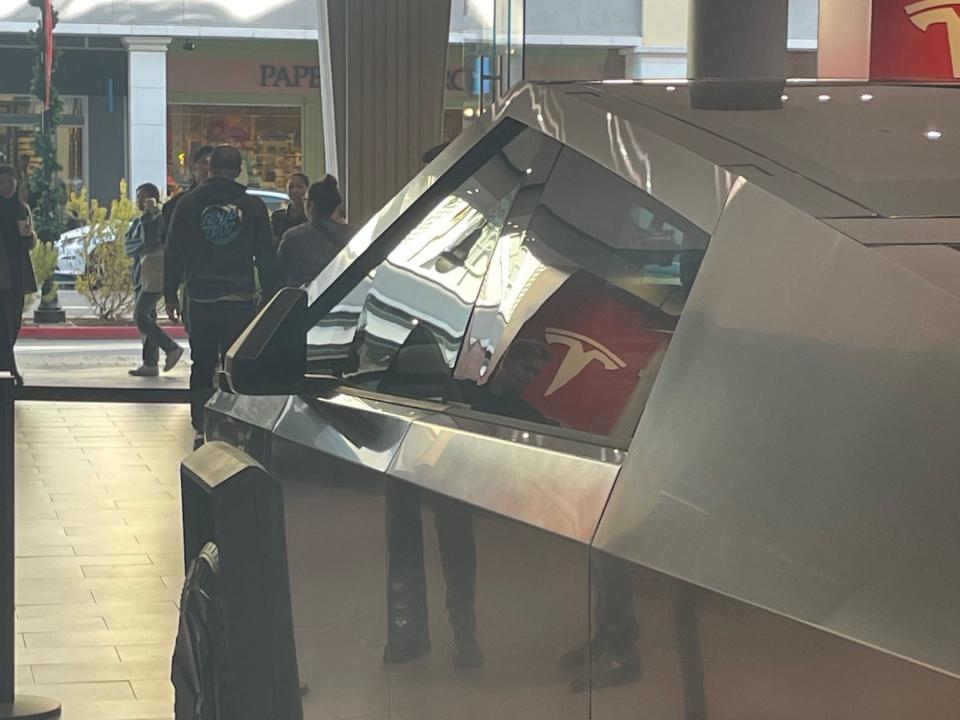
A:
(16, 269)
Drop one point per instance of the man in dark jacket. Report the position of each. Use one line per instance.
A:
(218, 234)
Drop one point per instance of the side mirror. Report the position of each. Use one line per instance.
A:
(270, 357)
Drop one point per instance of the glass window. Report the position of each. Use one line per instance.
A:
(19, 120)
(399, 331)
(581, 300)
(268, 137)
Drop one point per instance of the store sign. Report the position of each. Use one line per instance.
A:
(913, 39)
(290, 76)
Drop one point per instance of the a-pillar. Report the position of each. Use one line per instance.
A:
(147, 97)
(663, 53)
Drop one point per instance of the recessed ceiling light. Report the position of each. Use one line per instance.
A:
(823, 98)
(784, 98)
(671, 88)
(934, 134)
(866, 97)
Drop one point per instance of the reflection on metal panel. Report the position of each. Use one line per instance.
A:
(335, 549)
(261, 412)
(900, 231)
(346, 430)
(703, 655)
(480, 608)
(799, 448)
(937, 264)
(562, 494)
(690, 185)
(888, 148)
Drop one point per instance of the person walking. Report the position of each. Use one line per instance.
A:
(200, 167)
(305, 250)
(16, 269)
(295, 213)
(218, 234)
(144, 243)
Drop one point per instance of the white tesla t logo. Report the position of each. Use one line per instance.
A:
(926, 13)
(581, 351)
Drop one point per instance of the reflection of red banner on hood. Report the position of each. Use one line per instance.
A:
(915, 39)
(599, 341)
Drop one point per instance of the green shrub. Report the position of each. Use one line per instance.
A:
(107, 283)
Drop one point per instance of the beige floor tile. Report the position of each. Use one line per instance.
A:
(101, 672)
(65, 623)
(65, 692)
(117, 710)
(50, 656)
(106, 610)
(145, 653)
(168, 621)
(92, 638)
(48, 567)
(153, 689)
(36, 551)
(121, 571)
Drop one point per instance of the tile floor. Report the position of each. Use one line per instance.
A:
(99, 555)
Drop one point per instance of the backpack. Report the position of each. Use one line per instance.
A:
(200, 672)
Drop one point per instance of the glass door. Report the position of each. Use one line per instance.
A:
(486, 57)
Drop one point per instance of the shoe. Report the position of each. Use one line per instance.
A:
(145, 371)
(573, 659)
(173, 357)
(467, 654)
(610, 669)
(198, 440)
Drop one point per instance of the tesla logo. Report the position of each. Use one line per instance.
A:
(926, 13)
(581, 351)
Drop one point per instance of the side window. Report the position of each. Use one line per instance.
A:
(583, 294)
(401, 328)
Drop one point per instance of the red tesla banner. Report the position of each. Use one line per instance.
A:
(600, 344)
(915, 39)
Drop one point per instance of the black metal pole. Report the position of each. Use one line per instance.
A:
(11, 707)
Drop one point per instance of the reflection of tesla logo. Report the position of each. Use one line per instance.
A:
(926, 13)
(581, 352)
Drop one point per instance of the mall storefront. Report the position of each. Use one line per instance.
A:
(262, 97)
(92, 80)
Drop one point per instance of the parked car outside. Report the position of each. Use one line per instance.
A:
(71, 262)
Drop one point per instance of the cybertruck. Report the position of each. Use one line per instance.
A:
(640, 401)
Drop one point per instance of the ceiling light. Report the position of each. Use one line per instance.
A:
(934, 134)
(468, 112)
(671, 88)
(866, 97)
(784, 98)
(823, 98)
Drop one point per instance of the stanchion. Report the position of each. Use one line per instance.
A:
(11, 707)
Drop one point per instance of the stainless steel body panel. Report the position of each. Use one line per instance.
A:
(553, 491)
(798, 449)
(704, 655)
(520, 591)
(347, 428)
(900, 231)
(779, 540)
(692, 186)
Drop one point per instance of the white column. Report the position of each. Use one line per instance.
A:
(147, 98)
(663, 53)
(844, 39)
